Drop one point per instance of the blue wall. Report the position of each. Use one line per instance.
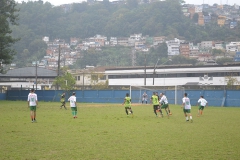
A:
(214, 97)
(2, 96)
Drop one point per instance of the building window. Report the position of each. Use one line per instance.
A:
(78, 78)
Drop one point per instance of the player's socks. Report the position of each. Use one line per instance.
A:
(191, 119)
(126, 111)
(76, 114)
(187, 118)
(155, 111)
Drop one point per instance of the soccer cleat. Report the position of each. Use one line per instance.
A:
(170, 113)
(187, 120)
(32, 121)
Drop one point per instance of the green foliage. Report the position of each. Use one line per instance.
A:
(223, 60)
(231, 82)
(195, 17)
(100, 85)
(66, 81)
(108, 56)
(217, 52)
(164, 18)
(182, 60)
(104, 132)
(8, 16)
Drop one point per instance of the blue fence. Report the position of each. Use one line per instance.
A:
(214, 97)
(2, 96)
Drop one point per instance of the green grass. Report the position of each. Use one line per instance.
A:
(103, 131)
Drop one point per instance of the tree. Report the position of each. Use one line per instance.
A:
(195, 17)
(66, 81)
(231, 81)
(179, 59)
(7, 18)
(223, 60)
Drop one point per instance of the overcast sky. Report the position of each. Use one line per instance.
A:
(230, 2)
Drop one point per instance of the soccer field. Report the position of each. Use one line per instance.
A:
(104, 132)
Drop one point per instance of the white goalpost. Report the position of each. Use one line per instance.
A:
(174, 93)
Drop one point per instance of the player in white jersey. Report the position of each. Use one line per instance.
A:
(202, 103)
(73, 104)
(186, 105)
(163, 104)
(32, 104)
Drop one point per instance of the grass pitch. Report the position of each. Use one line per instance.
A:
(104, 132)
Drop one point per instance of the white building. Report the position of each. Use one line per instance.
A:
(206, 44)
(172, 75)
(233, 47)
(173, 47)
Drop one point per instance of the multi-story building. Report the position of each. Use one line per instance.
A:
(184, 49)
(113, 41)
(218, 45)
(201, 19)
(233, 47)
(221, 20)
(206, 44)
(173, 47)
(123, 41)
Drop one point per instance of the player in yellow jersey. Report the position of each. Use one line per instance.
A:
(155, 102)
(127, 104)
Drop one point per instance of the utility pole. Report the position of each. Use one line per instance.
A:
(154, 70)
(36, 75)
(133, 57)
(145, 74)
(58, 72)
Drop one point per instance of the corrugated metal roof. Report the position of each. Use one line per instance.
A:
(30, 72)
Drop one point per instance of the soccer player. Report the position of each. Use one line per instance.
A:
(202, 103)
(164, 104)
(32, 104)
(186, 105)
(144, 97)
(155, 102)
(127, 103)
(63, 101)
(73, 104)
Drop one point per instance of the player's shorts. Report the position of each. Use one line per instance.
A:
(164, 106)
(201, 108)
(74, 108)
(155, 107)
(186, 110)
(32, 108)
(127, 107)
